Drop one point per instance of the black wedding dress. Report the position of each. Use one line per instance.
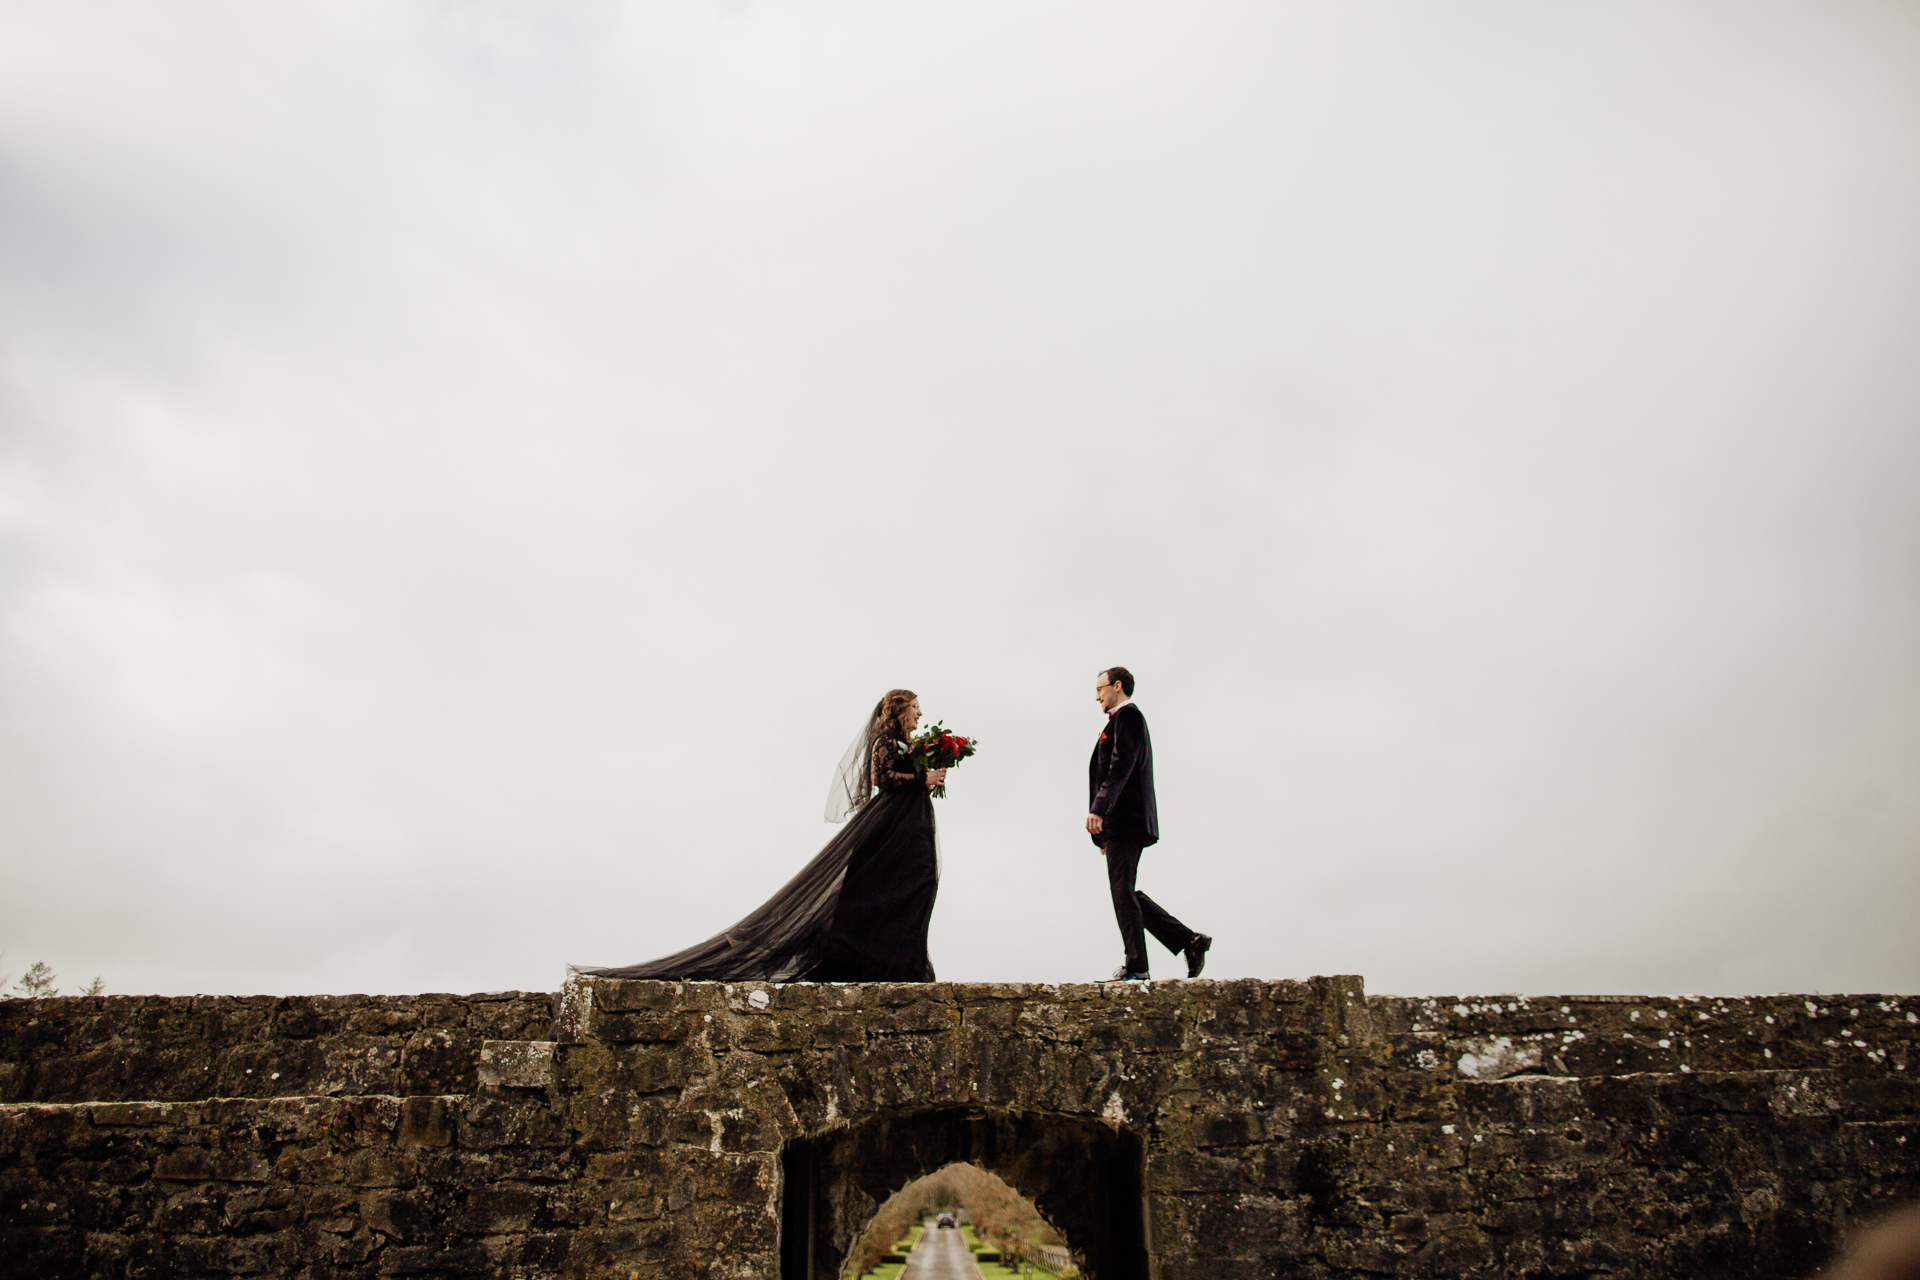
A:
(857, 913)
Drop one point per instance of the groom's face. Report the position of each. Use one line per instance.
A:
(1107, 691)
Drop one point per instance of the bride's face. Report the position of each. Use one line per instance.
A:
(910, 718)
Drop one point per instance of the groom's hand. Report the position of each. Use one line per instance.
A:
(1093, 825)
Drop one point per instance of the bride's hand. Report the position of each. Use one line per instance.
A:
(935, 777)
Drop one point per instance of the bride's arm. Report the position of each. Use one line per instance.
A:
(886, 776)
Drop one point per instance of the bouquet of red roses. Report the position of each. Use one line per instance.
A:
(935, 748)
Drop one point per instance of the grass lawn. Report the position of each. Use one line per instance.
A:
(890, 1270)
(988, 1270)
(996, 1270)
(975, 1242)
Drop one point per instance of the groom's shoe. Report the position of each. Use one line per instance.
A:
(1124, 974)
(1196, 954)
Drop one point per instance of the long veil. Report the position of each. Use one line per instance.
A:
(853, 780)
(782, 940)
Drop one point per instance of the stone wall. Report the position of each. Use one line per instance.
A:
(151, 1049)
(1179, 1130)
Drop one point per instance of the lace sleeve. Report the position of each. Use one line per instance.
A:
(886, 766)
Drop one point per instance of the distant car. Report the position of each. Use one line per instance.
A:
(944, 1220)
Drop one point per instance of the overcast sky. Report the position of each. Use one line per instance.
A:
(467, 469)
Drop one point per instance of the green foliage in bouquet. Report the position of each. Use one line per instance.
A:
(935, 748)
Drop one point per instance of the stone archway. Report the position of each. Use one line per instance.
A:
(1084, 1176)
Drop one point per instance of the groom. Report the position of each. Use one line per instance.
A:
(1123, 820)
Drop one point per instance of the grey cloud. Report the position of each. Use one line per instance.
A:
(451, 453)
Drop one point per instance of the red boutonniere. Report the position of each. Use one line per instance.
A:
(1103, 737)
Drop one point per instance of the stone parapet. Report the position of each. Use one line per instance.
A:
(179, 1049)
(1178, 1130)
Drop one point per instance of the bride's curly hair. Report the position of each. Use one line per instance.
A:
(887, 712)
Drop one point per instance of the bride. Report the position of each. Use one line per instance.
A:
(858, 912)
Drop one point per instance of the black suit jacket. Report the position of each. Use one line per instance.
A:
(1120, 779)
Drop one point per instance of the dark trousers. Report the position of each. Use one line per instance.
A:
(1137, 914)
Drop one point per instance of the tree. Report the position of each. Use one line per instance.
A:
(38, 982)
(901, 1211)
(997, 1212)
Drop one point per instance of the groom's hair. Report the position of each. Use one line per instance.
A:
(1124, 676)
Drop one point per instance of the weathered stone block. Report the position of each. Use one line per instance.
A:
(198, 1164)
(516, 1064)
(134, 1114)
(428, 1122)
(907, 1017)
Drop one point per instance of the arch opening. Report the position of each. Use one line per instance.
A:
(1082, 1177)
(1006, 1232)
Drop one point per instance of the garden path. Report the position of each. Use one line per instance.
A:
(940, 1254)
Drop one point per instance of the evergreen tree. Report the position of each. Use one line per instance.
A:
(38, 982)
